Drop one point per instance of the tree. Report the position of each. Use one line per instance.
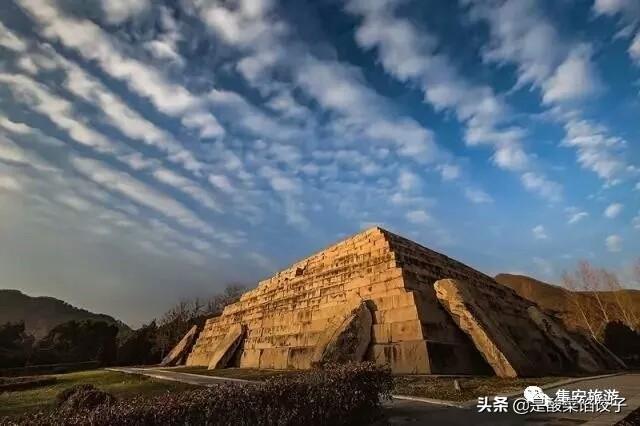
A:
(574, 285)
(592, 281)
(78, 341)
(175, 323)
(139, 347)
(623, 299)
(15, 345)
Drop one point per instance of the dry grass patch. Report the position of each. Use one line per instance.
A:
(470, 387)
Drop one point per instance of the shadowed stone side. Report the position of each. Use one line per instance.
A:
(579, 357)
(227, 347)
(180, 351)
(497, 347)
(347, 338)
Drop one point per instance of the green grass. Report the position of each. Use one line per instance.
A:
(239, 373)
(119, 384)
(471, 387)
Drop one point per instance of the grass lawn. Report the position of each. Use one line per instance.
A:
(119, 384)
(239, 373)
(471, 387)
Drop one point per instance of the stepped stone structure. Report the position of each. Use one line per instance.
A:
(372, 297)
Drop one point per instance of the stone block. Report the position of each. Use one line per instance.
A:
(403, 357)
(226, 348)
(346, 338)
(180, 352)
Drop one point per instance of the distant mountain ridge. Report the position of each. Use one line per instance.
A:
(41, 314)
(562, 302)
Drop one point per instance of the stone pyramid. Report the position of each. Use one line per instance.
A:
(378, 296)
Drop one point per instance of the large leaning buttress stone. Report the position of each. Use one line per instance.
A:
(180, 352)
(347, 336)
(485, 330)
(559, 337)
(227, 347)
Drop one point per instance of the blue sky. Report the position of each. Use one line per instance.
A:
(157, 150)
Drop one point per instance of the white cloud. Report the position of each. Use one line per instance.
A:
(521, 34)
(58, 110)
(574, 79)
(13, 153)
(612, 7)
(188, 186)
(449, 171)
(74, 202)
(614, 243)
(596, 150)
(410, 54)
(279, 181)
(118, 11)
(221, 182)
(613, 210)
(634, 49)
(91, 42)
(477, 196)
(418, 217)
(9, 183)
(408, 181)
(10, 40)
(577, 217)
(539, 233)
(340, 88)
(163, 50)
(138, 192)
(13, 126)
(261, 260)
(635, 222)
(545, 187)
(629, 13)
(121, 116)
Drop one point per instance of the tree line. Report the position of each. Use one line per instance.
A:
(90, 340)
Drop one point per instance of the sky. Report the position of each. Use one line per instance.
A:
(158, 150)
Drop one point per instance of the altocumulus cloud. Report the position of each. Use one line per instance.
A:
(194, 143)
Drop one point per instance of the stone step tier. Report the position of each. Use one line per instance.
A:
(285, 315)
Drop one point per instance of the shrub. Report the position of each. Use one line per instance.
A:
(335, 395)
(83, 397)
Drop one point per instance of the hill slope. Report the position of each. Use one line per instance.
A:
(41, 314)
(562, 302)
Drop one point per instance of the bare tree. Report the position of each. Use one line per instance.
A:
(183, 315)
(622, 298)
(592, 281)
(571, 282)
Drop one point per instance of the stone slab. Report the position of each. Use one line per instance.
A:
(180, 351)
(346, 338)
(226, 348)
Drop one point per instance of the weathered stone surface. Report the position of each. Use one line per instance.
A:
(513, 334)
(606, 358)
(287, 313)
(180, 351)
(290, 314)
(227, 347)
(346, 338)
(492, 340)
(577, 355)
